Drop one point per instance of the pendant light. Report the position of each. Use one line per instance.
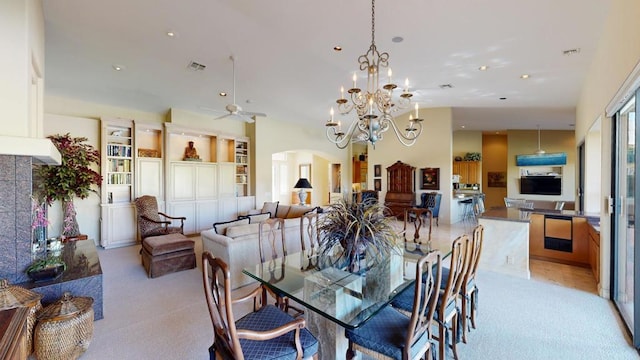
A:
(539, 151)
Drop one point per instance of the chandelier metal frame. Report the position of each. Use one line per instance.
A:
(375, 105)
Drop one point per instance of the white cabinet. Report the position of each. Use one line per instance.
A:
(246, 203)
(186, 209)
(193, 194)
(118, 225)
(228, 209)
(206, 214)
(149, 178)
(227, 181)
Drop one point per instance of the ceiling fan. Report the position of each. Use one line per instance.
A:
(235, 111)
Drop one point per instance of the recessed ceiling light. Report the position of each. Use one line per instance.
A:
(571, 51)
(397, 39)
(483, 68)
(117, 67)
(462, 126)
(503, 98)
(171, 34)
(337, 48)
(524, 76)
(222, 93)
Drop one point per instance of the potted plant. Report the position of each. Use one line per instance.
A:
(356, 234)
(73, 178)
(46, 268)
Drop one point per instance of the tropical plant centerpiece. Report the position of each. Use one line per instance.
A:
(73, 178)
(356, 234)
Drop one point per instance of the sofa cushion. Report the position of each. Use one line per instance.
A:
(270, 207)
(241, 230)
(221, 227)
(297, 211)
(254, 219)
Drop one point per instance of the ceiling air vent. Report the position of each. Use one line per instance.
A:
(196, 66)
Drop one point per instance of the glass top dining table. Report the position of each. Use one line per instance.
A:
(348, 299)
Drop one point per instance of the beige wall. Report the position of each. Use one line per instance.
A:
(466, 141)
(526, 142)
(433, 149)
(273, 136)
(494, 159)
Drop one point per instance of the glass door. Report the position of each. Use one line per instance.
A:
(625, 253)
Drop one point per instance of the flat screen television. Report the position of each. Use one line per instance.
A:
(541, 185)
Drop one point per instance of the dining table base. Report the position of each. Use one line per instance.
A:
(330, 335)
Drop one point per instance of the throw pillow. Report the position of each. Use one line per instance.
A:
(254, 219)
(270, 207)
(221, 227)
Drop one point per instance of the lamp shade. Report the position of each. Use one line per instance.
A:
(302, 183)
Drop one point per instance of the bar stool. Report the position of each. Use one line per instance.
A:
(467, 210)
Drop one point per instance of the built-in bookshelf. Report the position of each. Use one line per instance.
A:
(242, 167)
(118, 223)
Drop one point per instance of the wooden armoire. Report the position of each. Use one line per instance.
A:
(400, 188)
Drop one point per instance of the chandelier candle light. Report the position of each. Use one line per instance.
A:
(374, 104)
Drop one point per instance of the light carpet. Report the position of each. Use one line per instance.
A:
(167, 317)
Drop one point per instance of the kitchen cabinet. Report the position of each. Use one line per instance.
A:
(561, 239)
(469, 171)
(594, 252)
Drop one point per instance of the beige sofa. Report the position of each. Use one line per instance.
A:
(237, 244)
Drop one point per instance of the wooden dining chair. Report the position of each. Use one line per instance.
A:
(309, 231)
(271, 231)
(469, 291)
(265, 333)
(447, 308)
(392, 335)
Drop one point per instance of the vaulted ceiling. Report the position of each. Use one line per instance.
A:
(286, 65)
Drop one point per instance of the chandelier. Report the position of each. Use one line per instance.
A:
(373, 105)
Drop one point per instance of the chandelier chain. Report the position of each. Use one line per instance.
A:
(373, 22)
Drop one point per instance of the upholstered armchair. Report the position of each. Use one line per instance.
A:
(149, 221)
(431, 201)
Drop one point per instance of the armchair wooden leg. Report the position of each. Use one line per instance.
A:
(351, 354)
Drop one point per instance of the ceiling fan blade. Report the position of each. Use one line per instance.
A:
(245, 118)
(213, 110)
(223, 116)
(250, 113)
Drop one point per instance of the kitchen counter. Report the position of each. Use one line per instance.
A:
(512, 214)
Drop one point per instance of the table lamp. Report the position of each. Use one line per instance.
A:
(302, 184)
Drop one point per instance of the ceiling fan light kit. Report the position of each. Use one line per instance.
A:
(234, 110)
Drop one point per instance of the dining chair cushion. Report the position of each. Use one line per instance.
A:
(386, 333)
(267, 318)
(404, 301)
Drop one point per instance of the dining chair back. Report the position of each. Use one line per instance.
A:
(266, 333)
(392, 335)
(469, 290)
(271, 231)
(447, 310)
(309, 231)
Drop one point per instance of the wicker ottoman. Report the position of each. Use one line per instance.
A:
(64, 329)
(169, 253)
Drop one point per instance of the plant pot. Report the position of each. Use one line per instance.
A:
(45, 274)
